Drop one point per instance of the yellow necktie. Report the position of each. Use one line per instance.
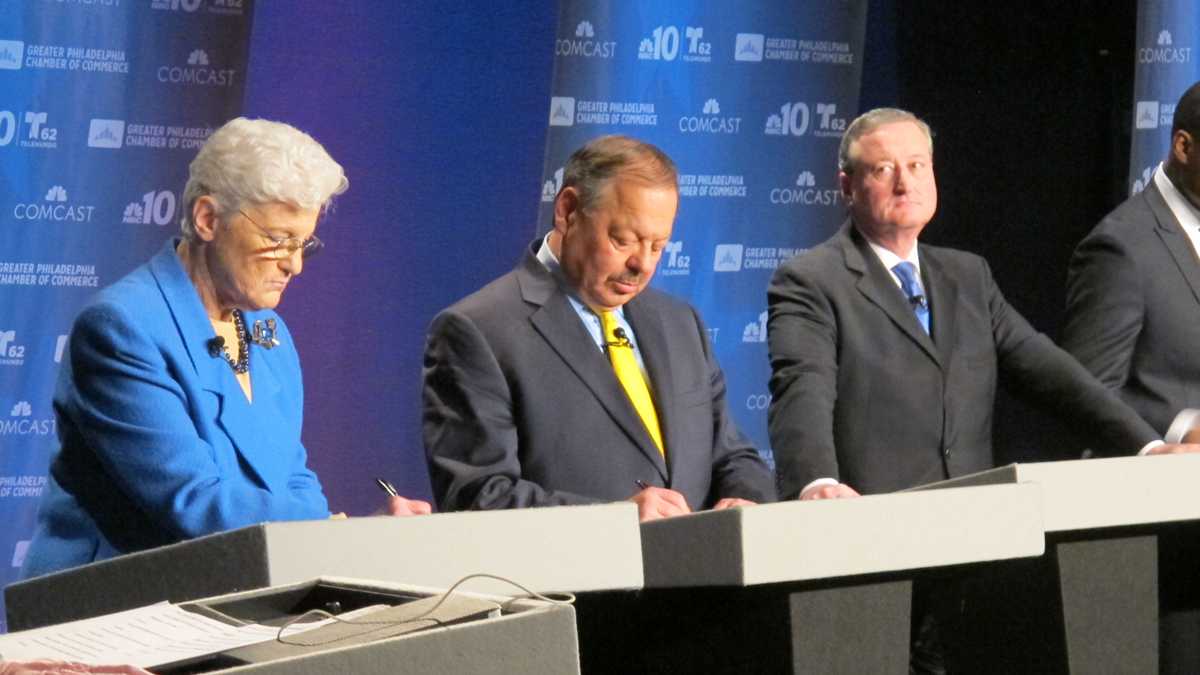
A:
(620, 353)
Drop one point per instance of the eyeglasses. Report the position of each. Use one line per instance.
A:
(286, 247)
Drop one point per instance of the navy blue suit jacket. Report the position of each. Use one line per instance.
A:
(157, 441)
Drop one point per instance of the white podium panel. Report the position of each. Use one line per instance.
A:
(567, 548)
(1083, 494)
(798, 541)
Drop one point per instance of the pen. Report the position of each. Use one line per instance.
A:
(386, 487)
(641, 484)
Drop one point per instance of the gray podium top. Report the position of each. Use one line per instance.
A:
(1082, 494)
(565, 548)
(797, 541)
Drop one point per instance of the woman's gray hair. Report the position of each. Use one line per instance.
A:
(590, 168)
(261, 162)
(870, 121)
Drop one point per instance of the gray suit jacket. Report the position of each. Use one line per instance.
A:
(1133, 308)
(521, 408)
(860, 393)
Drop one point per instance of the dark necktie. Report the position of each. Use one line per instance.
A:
(906, 272)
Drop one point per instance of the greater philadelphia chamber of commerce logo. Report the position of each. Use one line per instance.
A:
(584, 44)
(552, 185)
(804, 192)
(566, 111)
(12, 353)
(562, 111)
(795, 119)
(748, 47)
(106, 133)
(756, 47)
(12, 53)
(156, 207)
(756, 331)
(1153, 114)
(54, 207)
(674, 263)
(710, 121)
(1165, 51)
(1143, 182)
(663, 44)
(198, 71)
(727, 258)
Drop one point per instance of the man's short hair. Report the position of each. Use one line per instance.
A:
(1187, 111)
(870, 121)
(590, 168)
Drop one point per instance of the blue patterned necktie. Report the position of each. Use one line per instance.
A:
(906, 272)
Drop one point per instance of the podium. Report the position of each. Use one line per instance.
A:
(1091, 604)
(812, 587)
(472, 633)
(565, 548)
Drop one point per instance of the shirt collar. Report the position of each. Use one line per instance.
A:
(890, 259)
(1183, 210)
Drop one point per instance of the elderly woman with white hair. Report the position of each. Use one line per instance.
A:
(179, 408)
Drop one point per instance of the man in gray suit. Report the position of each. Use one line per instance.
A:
(568, 381)
(885, 353)
(1133, 320)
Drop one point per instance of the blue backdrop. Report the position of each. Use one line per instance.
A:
(102, 104)
(1167, 64)
(751, 100)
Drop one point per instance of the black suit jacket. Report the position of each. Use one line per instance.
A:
(860, 393)
(1133, 308)
(522, 409)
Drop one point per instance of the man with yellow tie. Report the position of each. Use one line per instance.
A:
(568, 381)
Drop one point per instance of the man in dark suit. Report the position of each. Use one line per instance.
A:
(568, 381)
(1133, 320)
(885, 353)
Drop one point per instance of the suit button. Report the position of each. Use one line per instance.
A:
(946, 452)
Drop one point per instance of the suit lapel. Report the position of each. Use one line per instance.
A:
(235, 415)
(875, 283)
(1174, 238)
(558, 323)
(943, 301)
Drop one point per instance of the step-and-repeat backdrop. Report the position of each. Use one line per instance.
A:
(102, 105)
(1167, 64)
(750, 99)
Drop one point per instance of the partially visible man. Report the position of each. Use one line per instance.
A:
(1133, 290)
(568, 381)
(1133, 320)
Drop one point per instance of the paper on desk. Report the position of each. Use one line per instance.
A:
(147, 636)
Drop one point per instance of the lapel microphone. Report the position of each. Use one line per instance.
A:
(215, 346)
(622, 339)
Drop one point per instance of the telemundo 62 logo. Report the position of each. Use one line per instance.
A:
(663, 44)
(233, 7)
(674, 263)
(12, 353)
(38, 132)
